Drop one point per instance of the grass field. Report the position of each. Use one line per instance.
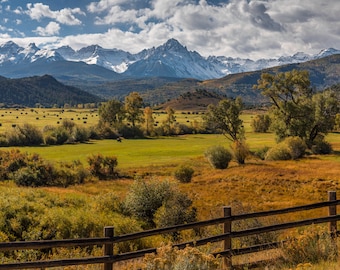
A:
(145, 152)
(130, 153)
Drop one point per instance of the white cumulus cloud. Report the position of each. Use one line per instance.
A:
(237, 28)
(66, 16)
(51, 29)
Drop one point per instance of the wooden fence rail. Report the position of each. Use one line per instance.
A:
(109, 240)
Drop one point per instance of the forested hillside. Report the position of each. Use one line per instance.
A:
(45, 91)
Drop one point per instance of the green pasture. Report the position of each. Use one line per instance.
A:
(145, 152)
(132, 153)
(138, 152)
(158, 151)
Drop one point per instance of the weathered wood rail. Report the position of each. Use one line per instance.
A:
(109, 239)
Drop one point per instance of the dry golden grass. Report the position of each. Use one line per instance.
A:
(262, 185)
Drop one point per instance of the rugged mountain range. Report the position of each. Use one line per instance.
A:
(94, 63)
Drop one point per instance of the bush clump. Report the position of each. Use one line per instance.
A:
(25, 135)
(313, 245)
(218, 157)
(56, 135)
(322, 147)
(261, 123)
(35, 175)
(145, 199)
(184, 174)
(290, 148)
(189, 258)
(279, 152)
(261, 153)
(296, 146)
(103, 167)
(240, 151)
(32, 170)
(81, 134)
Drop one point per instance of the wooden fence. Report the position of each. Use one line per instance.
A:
(109, 239)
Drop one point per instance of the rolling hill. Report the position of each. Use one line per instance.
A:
(44, 90)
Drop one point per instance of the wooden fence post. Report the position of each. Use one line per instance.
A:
(332, 211)
(227, 260)
(108, 248)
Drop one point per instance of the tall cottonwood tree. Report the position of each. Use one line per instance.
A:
(148, 121)
(296, 110)
(169, 121)
(226, 117)
(111, 112)
(133, 104)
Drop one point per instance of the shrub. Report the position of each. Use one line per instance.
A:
(13, 160)
(81, 134)
(278, 152)
(50, 139)
(57, 135)
(184, 173)
(189, 258)
(33, 136)
(93, 133)
(296, 146)
(103, 167)
(261, 123)
(36, 174)
(176, 209)
(290, 148)
(337, 122)
(240, 151)
(313, 245)
(130, 132)
(218, 157)
(3, 141)
(145, 199)
(31, 170)
(68, 125)
(321, 147)
(25, 135)
(105, 131)
(71, 173)
(14, 138)
(261, 153)
(180, 129)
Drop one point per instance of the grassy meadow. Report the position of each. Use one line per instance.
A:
(257, 185)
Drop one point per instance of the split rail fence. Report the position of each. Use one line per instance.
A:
(109, 239)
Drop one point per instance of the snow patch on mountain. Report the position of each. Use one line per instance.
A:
(11, 53)
(113, 59)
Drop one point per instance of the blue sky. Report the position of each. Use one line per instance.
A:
(236, 28)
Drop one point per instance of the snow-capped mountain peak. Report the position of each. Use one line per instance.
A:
(327, 52)
(173, 45)
(112, 59)
(11, 53)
